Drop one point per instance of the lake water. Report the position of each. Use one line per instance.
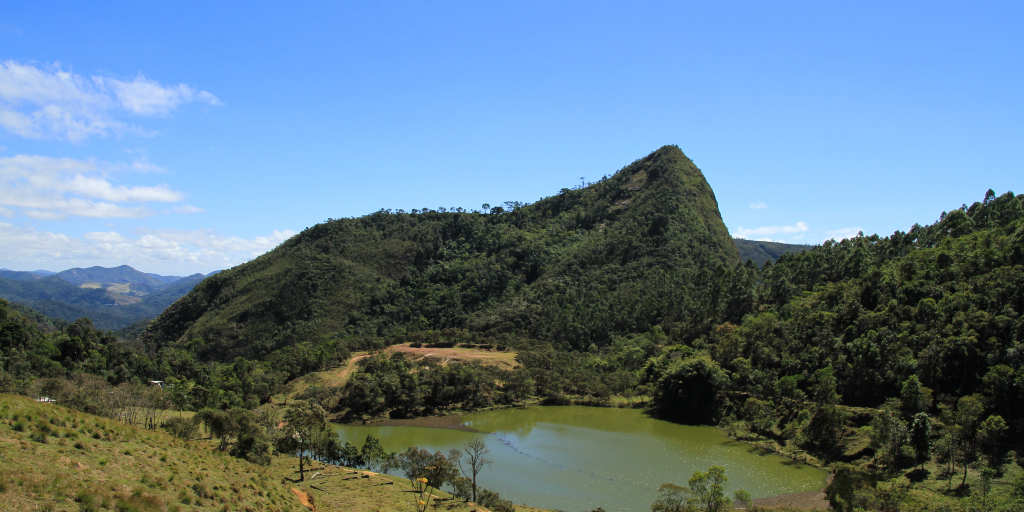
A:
(576, 458)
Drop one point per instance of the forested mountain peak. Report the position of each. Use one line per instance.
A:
(620, 255)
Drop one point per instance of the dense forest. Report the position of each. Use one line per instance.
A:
(631, 251)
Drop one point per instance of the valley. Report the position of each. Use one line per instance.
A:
(893, 362)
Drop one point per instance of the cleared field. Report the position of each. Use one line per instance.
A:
(503, 360)
(340, 375)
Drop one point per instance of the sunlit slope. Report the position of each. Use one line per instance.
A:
(53, 458)
(620, 255)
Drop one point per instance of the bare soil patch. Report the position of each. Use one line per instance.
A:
(505, 360)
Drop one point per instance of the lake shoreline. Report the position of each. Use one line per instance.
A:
(463, 421)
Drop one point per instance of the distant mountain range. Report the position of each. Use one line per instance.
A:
(112, 298)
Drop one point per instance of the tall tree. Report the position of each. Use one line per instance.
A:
(472, 461)
(304, 422)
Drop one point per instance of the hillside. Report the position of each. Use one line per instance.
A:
(761, 252)
(111, 306)
(59, 459)
(621, 255)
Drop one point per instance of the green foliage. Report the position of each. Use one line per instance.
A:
(644, 247)
(705, 492)
(305, 425)
(760, 252)
(921, 438)
(686, 389)
(890, 435)
(182, 428)
(825, 429)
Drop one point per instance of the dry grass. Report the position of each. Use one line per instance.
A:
(58, 459)
(503, 360)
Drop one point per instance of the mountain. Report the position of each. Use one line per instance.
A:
(634, 250)
(109, 309)
(163, 279)
(116, 275)
(761, 252)
(18, 276)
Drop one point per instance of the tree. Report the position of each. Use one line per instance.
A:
(472, 461)
(706, 492)
(760, 414)
(220, 424)
(375, 457)
(921, 438)
(990, 433)
(304, 422)
(687, 390)
(890, 434)
(914, 397)
(825, 429)
(962, 425)
(180, 391)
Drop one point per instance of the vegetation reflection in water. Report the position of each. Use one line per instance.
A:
(576, 458)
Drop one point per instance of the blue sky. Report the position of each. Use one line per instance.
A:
(192, 137)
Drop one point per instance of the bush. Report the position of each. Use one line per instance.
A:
(491, 500)
(182, 428)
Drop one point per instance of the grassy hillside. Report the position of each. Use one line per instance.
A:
(760, 252)
(53, 458)
(58, 459)
(632, 251)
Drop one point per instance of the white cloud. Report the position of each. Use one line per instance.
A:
(146, 97)
(759, 233)
(840, 234)
(187, 208)
(758, 205)
(198, 250)
(6, 212)
(48, 188)
(37, 102)
(109, 236)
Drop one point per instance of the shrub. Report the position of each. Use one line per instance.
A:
(39, 436)
(201, 490)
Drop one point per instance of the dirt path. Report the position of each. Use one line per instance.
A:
(343, 375)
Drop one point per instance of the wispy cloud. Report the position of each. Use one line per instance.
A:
(187, 208)
(758, 205)
(202, 248)
(46, 188)
(48, 101)
(767, 231)
(842, 233)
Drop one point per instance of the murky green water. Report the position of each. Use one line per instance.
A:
(578, 458)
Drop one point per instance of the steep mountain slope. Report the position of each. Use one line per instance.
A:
(761, 252)
(621, 255)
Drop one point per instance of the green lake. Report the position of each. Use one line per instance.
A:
(576, 458)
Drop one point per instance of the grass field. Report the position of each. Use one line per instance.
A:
(57, 459)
